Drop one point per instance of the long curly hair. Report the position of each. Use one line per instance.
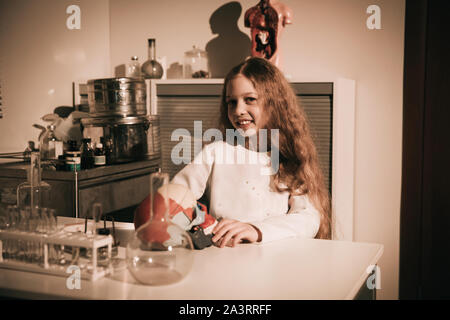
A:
(299, 170)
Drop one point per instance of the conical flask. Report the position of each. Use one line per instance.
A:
(160, 252)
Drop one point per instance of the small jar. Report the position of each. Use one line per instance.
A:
(195, 64)
(134, 68)
(72, 145)
(87, 154)
(73, 161)
(99, 155)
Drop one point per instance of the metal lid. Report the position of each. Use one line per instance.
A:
(195, 52)
(115, 83)
(113, 80)
(119, 120)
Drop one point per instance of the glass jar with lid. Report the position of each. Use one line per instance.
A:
(196, 64)
(134, 68)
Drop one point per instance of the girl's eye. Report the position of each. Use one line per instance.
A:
(250, 100)
(231, 103)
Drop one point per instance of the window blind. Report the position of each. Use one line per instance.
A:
(179, 106)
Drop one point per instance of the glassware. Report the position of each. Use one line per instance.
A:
(55, 252)
(134, 68)
(152, 69)
(4, 218)
(160, 252)
(99, 155)
(34, 193)
(12, 246)
(87, 154)
(73, 160)
(195, 64)
(23, 252)
(103, 258)
(109, 150)
(33, 246)
(50, 146)
(43, 227)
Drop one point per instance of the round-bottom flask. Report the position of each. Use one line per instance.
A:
(160, 252)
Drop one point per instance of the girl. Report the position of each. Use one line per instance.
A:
(253, 207)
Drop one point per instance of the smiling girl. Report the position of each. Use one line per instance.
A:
(251, 206)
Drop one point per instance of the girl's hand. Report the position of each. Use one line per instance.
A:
(231, 232)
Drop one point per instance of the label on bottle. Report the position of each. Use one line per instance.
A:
(55, 149)
(73, 163)
(100, 160)
(59, 150)
(51, 150)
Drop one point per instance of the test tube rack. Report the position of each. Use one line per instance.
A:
(62, 238)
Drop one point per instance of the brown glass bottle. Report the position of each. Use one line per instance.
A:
(87, 154)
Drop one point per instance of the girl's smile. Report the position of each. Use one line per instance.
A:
(245, 111)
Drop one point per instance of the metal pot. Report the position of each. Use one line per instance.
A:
(117, 97)
(126, 139)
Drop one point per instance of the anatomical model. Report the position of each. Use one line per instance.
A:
(266, 21)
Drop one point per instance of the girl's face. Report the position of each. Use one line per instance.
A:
(245, 110)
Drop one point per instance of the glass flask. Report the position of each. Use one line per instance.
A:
(34, 193)
(160, 252)
(152, 69)
(50, 146)
(195, 64)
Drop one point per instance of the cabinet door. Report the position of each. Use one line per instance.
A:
(60, 195)
(113, 195)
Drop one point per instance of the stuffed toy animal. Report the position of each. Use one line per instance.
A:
(184, 211)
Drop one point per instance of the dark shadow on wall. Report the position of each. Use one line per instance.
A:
(231, 46)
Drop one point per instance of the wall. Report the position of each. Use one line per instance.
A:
(328, 39)
(40, 59)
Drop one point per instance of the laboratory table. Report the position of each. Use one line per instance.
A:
(289, 269)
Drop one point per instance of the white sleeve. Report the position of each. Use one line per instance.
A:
(302, 220)
(195, 175)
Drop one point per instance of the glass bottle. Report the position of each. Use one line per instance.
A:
(160, 252)
(72, 145)
(34, 193)
(99, 155)
(108, 145)
(152, 69)
(134, 68)
(87, 154)
(50, 146)
(31, 147)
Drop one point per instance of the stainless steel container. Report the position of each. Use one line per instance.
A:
(126, 139)
(117, 97)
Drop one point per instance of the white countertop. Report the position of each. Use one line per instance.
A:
(289, 269)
